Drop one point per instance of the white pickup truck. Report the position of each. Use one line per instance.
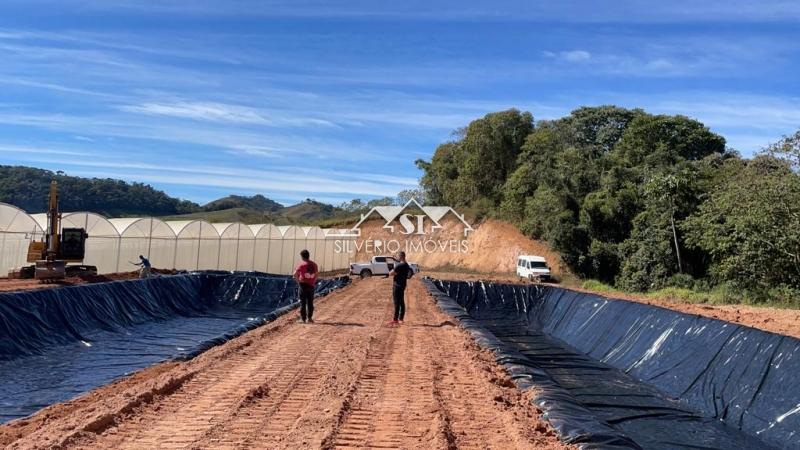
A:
(379, 265)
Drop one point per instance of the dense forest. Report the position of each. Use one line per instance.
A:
(28, 188)
(636, 200)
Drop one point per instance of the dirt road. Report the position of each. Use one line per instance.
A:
(347, 381)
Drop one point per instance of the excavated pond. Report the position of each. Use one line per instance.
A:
(620, 374)
(58, 343)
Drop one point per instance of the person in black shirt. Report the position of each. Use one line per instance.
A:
(400, 273)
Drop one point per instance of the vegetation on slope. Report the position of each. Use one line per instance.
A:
(28, 188)
(639, 201)
(256, 203)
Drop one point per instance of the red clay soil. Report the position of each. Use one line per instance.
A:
(775, 320)
(11, 284)
(347, 381)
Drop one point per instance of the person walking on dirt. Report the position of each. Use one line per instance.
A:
(306, 277)
(400, 273)
(145, 264)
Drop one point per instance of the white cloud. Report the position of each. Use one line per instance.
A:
(576, 56)
(268, 181)
(569, 55)
(215, 112)
(660, 64)
(20, 151)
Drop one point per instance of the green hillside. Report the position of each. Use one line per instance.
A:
(308, 212)
(256, 202)
(28, 188)
(244, 215)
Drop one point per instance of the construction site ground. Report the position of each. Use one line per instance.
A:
(346, 381)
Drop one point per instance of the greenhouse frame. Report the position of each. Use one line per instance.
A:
(114, 244)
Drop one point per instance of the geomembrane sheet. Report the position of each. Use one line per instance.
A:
(56, 344)
(619, 374)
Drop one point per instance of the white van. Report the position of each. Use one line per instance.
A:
(533, 268)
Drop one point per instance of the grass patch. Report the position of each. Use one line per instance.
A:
(599, 286)
(719, 295)
(450, 268)
(685, 295)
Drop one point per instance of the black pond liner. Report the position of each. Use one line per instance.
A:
(619, 374)
(56, 344)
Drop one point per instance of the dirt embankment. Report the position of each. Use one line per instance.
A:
(492, 247)
(346, 381)
(11, 284)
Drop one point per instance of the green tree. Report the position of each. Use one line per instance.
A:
(405, 195)
(27, 188)
(750, 224)
(788, 149)
(474, 166)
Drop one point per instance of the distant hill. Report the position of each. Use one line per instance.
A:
(256, 202)
(308, 212)
(28, 188)
(244, 215)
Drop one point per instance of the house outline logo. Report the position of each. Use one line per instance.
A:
(392, 213)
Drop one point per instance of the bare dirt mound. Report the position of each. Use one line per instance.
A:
(346, 381)
(492, 247)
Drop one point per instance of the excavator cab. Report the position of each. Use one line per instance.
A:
(73, 244)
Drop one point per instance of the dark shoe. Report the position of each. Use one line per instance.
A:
(310, 320)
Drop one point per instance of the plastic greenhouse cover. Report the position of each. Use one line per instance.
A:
(58, 343)
(619, 374)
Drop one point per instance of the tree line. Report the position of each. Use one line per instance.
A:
(28, 188)
(633, 199)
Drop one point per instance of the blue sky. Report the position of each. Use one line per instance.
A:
(335, 100)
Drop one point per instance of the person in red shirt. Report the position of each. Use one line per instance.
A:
(306, 277)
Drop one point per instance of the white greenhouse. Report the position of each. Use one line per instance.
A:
(149, 237)
(114, 244)
(17, 229)
(236, 246)
(196, 245)
(267, 248)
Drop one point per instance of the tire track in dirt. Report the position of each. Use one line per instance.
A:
(488, 412)
(420, 389)
(347, 381)
(287, 417)
(210, 408)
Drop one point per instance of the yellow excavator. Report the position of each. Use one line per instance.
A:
(59, 247)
